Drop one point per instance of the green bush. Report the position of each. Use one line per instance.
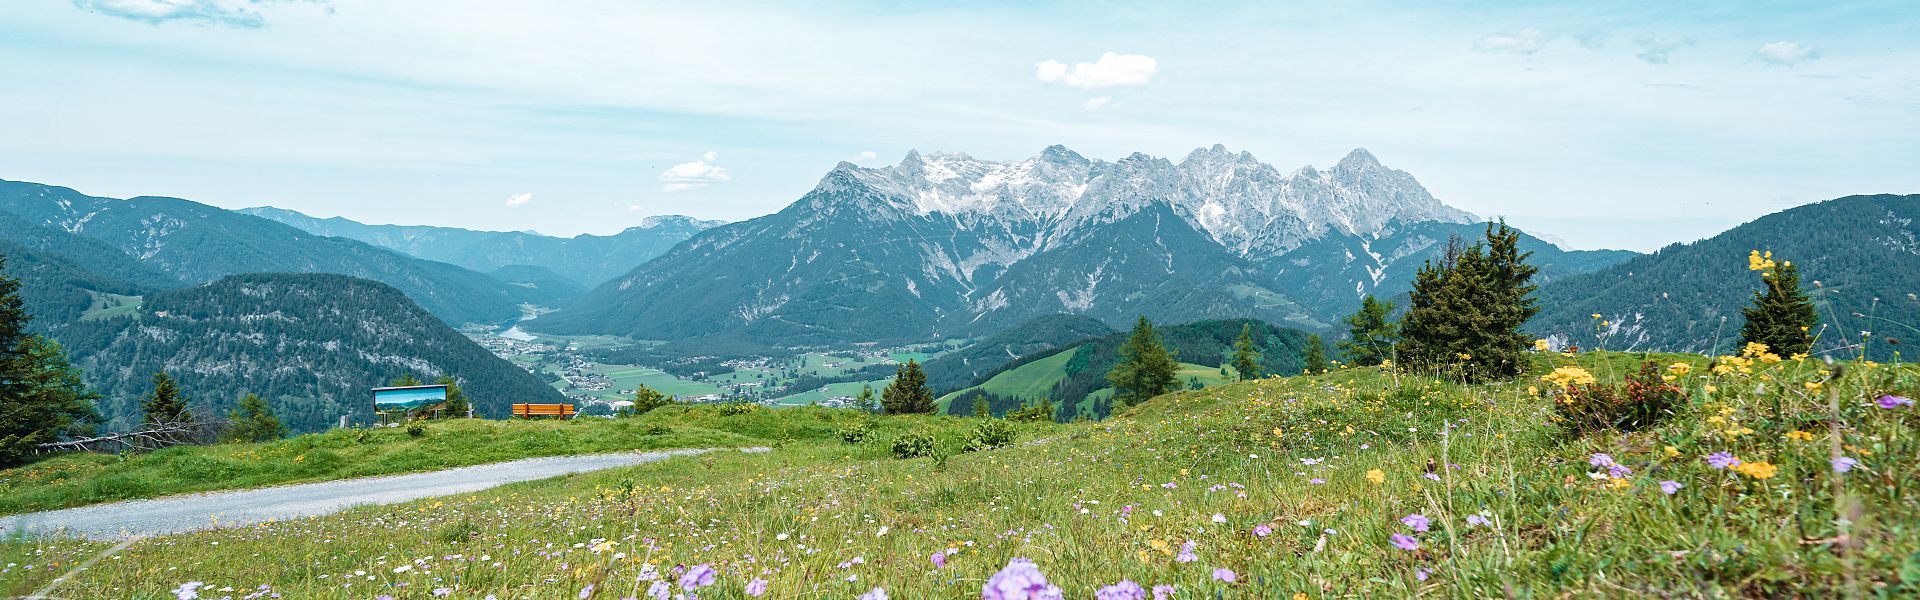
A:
(857, 433)
(1037, 412)
(417, 428)
(738, 408)
(1646, 400)
(990, 434)
(913, 445)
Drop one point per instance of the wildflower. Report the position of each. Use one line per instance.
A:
(1760, 262)
(1844, 464)
(1225, 575)
(1125, 590)
(701, 575)
(1186, 553)
(1421, 574)
(585, 592)
(876, 594)
(1671, 451)
(1757, 469)
(1020, 580)
(1799, 436)
(1619, 471)
(1722, 460)
(1262, 530)
(1569, 376)
(1478, 521)
(1377, 476)
(939, 559)
(1405, 542)
(188, 591)
(1162, 592)
(1600, 460)
(1433, 476)
(757, 587)
(1540, 345)
(1416, 521)
(1680, 369)
(1219, 518)
(442, 592)
(1891, 401)
(660, 590)
(1670, 487)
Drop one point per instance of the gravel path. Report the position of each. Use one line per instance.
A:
(215, 510)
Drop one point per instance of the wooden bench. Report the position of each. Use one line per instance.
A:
(543, 410)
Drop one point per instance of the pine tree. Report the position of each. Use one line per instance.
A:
(865, 400)
(1316, 357)
(54, 404)
(253, 421)
(1782, 316)
(1370, 335)
(1246, 356)
(165, 404)
(645, 399)
(1146, 369)
(457, 406)
(1467, 309)
(908, 394)
(981, 408)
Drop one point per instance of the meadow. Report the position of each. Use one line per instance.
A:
(1770, 478)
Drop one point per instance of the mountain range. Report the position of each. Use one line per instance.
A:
(585, 260)
(946, 245)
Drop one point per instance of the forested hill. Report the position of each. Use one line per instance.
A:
(967, 366)
(1859, 259)
(312, 344)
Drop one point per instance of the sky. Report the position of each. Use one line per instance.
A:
(1607, 124)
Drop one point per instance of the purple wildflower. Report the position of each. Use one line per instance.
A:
(1416, 521)
(1891, 401)
(1722, 460)
(660, 590)
(1618, 471)
(939, 558)
(1421, 574)
(757, 587)
(442, 592)
(1405, 542)
(586, 591)
(876, 594)
(1020, 580)
(1432, 476)
(1225, 575)
(1600, 460)
(1670, 487)
(188, 591)
(1186, 553)
(1844, 464)
(1125, 590)
(1477, 520)
(1162, 592)
(701, 575)
(1262, 530)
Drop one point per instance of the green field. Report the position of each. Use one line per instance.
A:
(1035, 380)
(833, 390)
(109, 306)
(1360, 483)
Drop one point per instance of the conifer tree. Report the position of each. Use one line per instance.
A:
(165, 404)
(1246, 356)
(645, 399)
(42, 398)
(253, 421)
(1370, 335)
(908, 394)
(1782, 316)
(457, 406)
(1316, 355)
(1467, 309)
(981, 408)
(865, 400)
(1146, 368)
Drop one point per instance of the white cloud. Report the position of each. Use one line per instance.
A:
(864, 156)
(695, 174)
(1786, 53)
(1111, 70)
(1655, 48)
(1098, 103)
(1526, 41)
(233, 13)
(520, 199)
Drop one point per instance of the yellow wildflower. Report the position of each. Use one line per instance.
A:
(1680, 368)
(1799, 436)
(1568, 376)
(1753, 350)
(1672, 451)
(1377, 476)
(1760, 262)
(1759, 469)
(1540, 345)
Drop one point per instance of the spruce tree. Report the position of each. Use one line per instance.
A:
(53, 402)
(1467, 309)
(1316, 357)
(1146, 368)
(1246, 356)
(165, 405)
(865, 400)
(253, 421)
(1782, 316)
(645, 399)
(981, 408)
(1370, 335)
(457, 406)
(908, 394)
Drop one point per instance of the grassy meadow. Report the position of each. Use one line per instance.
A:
(1772, 478)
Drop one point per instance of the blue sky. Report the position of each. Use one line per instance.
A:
(1608, 124)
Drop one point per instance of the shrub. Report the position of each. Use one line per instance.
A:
(1032, 413)
(416, 428)
(857, 433)
(738, 408)
(1645, 400)
(990, 434)
(913, 445)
